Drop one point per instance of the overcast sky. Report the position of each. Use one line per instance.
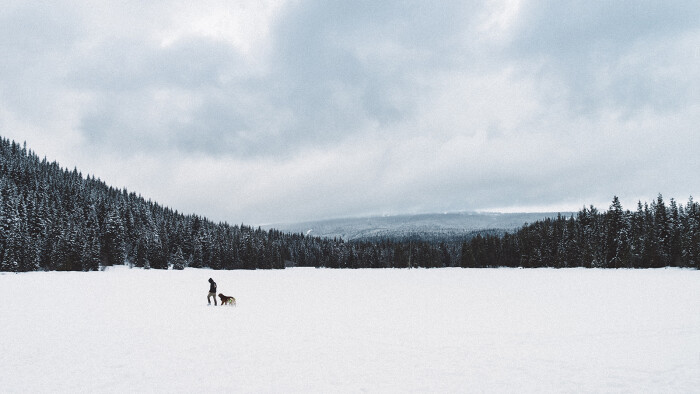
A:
(279, 111)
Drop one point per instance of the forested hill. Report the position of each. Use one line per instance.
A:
(55, 219)
(427, 227)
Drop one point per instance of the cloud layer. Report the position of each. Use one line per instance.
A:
(279, 111)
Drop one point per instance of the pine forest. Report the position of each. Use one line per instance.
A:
(53, 218)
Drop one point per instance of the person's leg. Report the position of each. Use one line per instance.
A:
(209, 298)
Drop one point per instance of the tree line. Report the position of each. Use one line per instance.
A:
(653, 236)
(55, 219)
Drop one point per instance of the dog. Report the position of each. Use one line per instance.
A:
(225, 300)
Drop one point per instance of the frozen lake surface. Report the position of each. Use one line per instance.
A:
(320, 330)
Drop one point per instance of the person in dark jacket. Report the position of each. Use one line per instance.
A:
(212, 291)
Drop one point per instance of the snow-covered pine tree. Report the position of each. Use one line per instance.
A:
(178, 260)
(113, 238)
(662, 233)
(674, 225)
(691, 235)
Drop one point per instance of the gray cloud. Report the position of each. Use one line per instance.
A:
(33, 42)
(582, 26)
(624, 55)
(326, 80)
(341, 68)
(346, 108)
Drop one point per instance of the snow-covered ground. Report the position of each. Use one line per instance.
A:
(319, 330)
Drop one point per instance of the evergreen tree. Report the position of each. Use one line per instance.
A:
(661, 234)
(675, 228)
(467, 256)
(615, 224)
(178, 260)
(572, 252)
(691, 235)
(637, 237)
(113, 239)
(197, 255)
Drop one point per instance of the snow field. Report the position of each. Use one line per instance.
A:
(320, 330)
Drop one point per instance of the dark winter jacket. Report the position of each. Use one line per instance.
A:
(212, 286)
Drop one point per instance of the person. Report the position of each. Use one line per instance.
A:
(212, 291)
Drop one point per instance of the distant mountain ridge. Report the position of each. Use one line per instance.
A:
(419, 226)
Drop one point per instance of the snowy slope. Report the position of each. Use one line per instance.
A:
(447, 224)
(318, 330)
